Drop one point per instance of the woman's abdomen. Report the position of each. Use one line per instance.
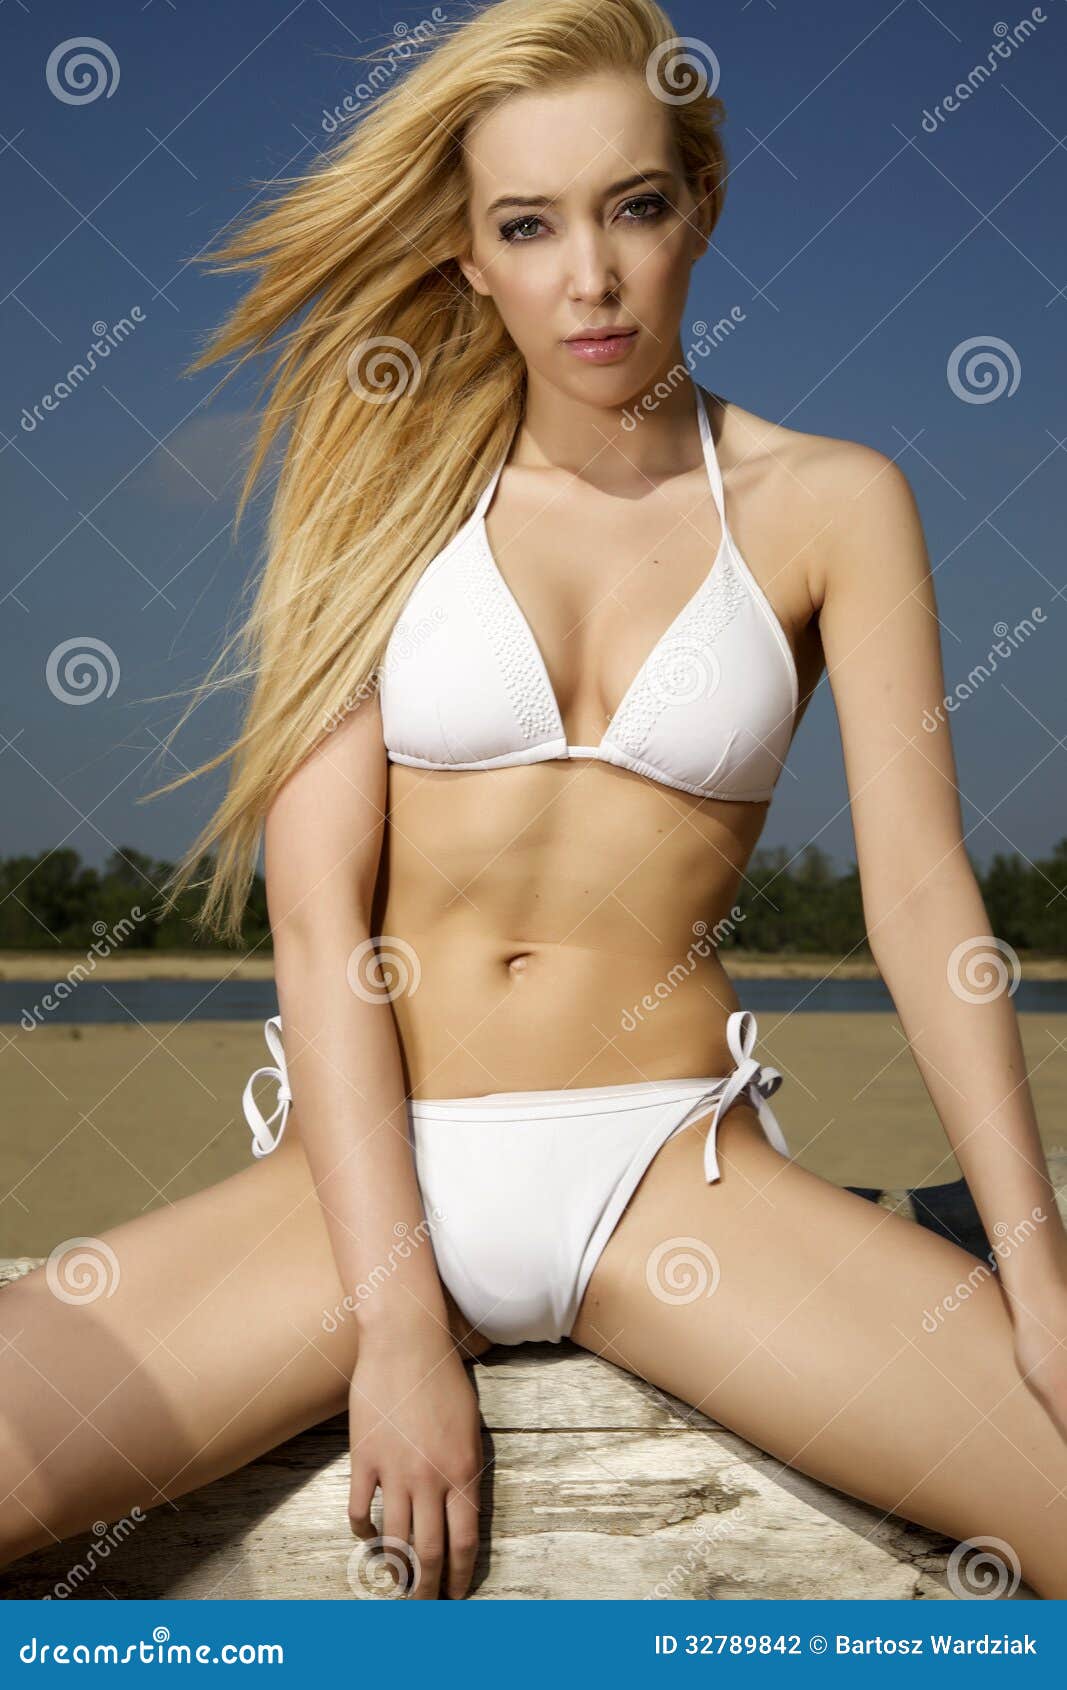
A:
(556, 925)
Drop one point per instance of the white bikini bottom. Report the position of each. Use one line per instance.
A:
(522, 1189)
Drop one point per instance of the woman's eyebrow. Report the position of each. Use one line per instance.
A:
(546, 199)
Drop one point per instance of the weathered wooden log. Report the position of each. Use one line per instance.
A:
(596, 1485)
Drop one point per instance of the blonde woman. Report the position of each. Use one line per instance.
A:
(538, 621)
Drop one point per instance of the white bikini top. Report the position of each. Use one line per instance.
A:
(711, 711)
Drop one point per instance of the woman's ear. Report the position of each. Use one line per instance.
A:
(473, 272)
(700, 218)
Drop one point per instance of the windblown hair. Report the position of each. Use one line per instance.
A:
(357, 260)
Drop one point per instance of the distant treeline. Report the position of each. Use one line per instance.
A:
(787, 901)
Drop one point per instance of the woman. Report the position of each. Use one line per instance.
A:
(538, 622)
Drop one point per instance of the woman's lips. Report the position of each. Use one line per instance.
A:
(602, 349)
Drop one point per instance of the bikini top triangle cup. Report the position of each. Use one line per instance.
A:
(711, 710)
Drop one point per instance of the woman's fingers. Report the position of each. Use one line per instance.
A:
(361, 1490)
(461, 1512)
(428, 1523)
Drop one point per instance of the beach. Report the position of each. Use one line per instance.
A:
(103, 1121)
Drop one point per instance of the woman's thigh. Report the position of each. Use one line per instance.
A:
(808, 1320)
(192, 1339)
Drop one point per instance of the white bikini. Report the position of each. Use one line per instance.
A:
(526, 1187)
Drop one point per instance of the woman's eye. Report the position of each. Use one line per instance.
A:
(510, 231)
(650, 207)
(655, 202)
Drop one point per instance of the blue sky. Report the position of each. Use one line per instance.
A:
(867, 236)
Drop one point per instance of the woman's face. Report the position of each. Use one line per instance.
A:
(581, 219)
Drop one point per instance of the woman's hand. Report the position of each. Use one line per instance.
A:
(1040, 1344)
(415, 1430)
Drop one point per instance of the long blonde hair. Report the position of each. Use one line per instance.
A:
(358, 260)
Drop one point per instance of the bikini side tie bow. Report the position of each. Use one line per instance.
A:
(759, 1081)
(263, 1141)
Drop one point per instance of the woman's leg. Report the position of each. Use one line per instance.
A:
(792, 1312)
(205, 1346)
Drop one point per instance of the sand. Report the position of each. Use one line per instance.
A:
(104, 1121)
(259, 965)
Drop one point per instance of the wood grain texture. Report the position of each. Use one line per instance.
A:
(596, 1485)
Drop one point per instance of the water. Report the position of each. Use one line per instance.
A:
(254, 1000)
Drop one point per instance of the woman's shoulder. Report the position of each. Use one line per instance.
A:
(822, 488)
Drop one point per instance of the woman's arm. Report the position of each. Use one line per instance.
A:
(926, 920)
(413, 1415)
